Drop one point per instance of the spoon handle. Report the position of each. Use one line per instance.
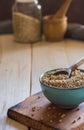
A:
(77, 64)
(63, 9)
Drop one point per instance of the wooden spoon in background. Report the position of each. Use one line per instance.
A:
(63, 10)
(55, 26)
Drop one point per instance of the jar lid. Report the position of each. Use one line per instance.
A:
(23, 1)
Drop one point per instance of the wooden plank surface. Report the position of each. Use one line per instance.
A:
(21, 66)
(15, 64)
(74, 51)
(47, 55)
(37, 112)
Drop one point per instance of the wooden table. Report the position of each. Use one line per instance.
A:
(21, 65)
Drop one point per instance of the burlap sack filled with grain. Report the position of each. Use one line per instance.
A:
(26, 28)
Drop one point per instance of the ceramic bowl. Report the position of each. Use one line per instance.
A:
(65, 98)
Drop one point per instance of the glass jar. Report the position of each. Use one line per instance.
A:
(27, 21)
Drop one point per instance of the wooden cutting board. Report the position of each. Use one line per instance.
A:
(38, 113)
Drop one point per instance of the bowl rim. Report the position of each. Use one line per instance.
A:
(42, 74)
(49, 17)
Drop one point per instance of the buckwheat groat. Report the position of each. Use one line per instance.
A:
(62, 81)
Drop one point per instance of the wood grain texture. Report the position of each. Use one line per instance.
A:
(48, 55)
(37, 112)
(15, 63)
(21, 66)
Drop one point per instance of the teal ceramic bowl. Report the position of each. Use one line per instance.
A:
(65, 98)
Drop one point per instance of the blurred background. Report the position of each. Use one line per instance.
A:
(75, 13)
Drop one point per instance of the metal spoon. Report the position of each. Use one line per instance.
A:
(69, 70)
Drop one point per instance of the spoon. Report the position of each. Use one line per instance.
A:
(69, 70)
(62, 10)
